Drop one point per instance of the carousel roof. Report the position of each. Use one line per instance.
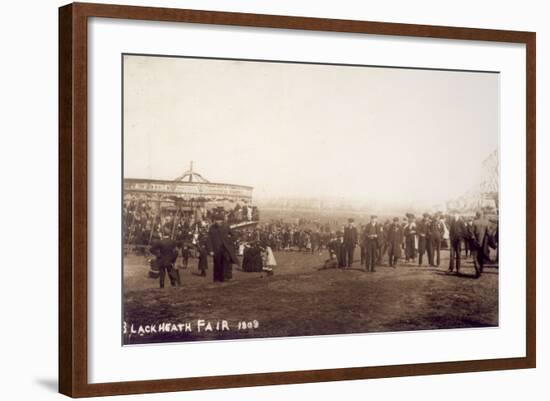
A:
(190, 186)
(191, 176)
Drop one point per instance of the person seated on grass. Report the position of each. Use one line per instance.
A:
(331, 262)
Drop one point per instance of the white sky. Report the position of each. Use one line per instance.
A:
(297, 130)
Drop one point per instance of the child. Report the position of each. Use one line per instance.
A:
(185, 253)
(203, 256)
(269, 261)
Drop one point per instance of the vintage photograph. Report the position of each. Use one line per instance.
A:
(267, 198)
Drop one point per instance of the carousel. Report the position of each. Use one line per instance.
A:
(152, 205)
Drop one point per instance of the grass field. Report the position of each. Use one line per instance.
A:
(300, 300)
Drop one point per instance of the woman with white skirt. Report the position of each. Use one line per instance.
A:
(269, 261)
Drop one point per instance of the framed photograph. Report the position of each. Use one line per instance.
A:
(250, 200)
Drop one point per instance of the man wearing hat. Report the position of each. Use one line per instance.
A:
(363, 245)
(437, 230)
(222, 248)
(457, 232)
(422, 231)
(372, 233)
(469, 230)
(350, 241)
(479, 242)
(430, 239)
(166, 254)
(410, 238)
(394, 238)
(339, 249)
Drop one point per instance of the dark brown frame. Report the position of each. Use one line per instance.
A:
(73, 198)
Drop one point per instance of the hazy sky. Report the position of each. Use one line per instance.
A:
(380, 134)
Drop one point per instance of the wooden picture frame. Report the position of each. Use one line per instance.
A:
(73, 198)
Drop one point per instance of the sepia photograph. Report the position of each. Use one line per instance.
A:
(270, 198)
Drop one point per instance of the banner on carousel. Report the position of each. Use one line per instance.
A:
(188, 189)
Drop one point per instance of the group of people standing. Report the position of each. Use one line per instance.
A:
(218, 242)
(303, 236)
(373, 239)
(478, 235)
(415, 238)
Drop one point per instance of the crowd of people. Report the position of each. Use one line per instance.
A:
(411, 239)
(221, 234)
(143, 223)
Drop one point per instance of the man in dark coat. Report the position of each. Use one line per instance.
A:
(478, 242)
(339, 248)
(166, 254)
(410, 238)
(429, 240)
(394, 239)
(315, 241)
(372, 233)
(468, 235)
(457, 233)
(350, 241)
(422, 231)
(363, 246)
(222, 248)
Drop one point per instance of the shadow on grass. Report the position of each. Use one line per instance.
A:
(342, 269)
(457, 275)
(461, 275)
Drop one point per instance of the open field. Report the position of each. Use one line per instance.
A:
(300, 300)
